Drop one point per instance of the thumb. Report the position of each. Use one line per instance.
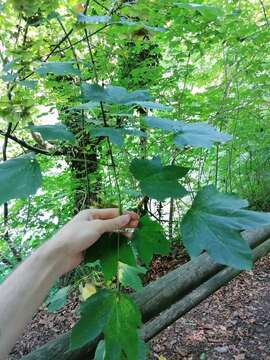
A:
(115, 223)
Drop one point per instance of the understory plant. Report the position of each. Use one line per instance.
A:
(125, 141)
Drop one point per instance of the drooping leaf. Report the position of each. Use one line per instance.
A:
(95, 312)
(214, 223)
(196, 135)
(208, 11)
(106, 251)
(157, 181)
(112, 94)
(149, 239)
(116, 136)
(58, 300)
(200, 135)
(121, 331)
(53, 132)
(19, 177)
(117, 317)
(58, 68)
(129, 276)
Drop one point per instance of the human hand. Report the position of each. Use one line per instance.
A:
(84, 230)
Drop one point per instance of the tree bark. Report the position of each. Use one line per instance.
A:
(179, 291)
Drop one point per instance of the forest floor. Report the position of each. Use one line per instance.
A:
(232, 324)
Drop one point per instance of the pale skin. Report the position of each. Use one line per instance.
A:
(26, 288)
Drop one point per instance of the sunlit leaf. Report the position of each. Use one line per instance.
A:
(115, 20)
(208, 11)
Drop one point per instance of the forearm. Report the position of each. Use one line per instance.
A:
(23, 292)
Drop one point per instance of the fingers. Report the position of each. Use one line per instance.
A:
(104, 214)
(111, 225)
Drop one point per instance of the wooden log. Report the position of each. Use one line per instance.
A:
(153, 299)
(199, 294)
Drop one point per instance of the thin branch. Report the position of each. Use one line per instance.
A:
(30, 147)
(264, 12)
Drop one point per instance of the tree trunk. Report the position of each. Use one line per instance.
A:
(178, 291)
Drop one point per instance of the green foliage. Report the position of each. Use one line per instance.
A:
(19, 177)
(58, 68)
(149, 239)
(53, 132)
(117, 317)
(195, 135)
(128, 276)
(116, 136)
(157, 181)
(214, 223)
(205, 63)
(106, 250)
(115, 20)
(207, 11)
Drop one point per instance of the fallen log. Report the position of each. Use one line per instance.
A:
(157, 297)
(188, 302)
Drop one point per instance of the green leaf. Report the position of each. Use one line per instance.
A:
(196, 135)
(117, 317)
(30, 84)
(128, 276)
(53, 132)
(200, 135)
(115, 20)
(19, 177)
(121, 331)
(93, 19)
(95, 313)
(157, 181)
(153, 105)
(86, 106)
(143, 350)
(116, 136)
(100, 351)
(106, 251)
(58, 68)
(149, 239)
(58, 300)
(113, 94)
(207, 11)
(214, 223)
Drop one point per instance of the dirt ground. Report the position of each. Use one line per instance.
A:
(232, 324)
